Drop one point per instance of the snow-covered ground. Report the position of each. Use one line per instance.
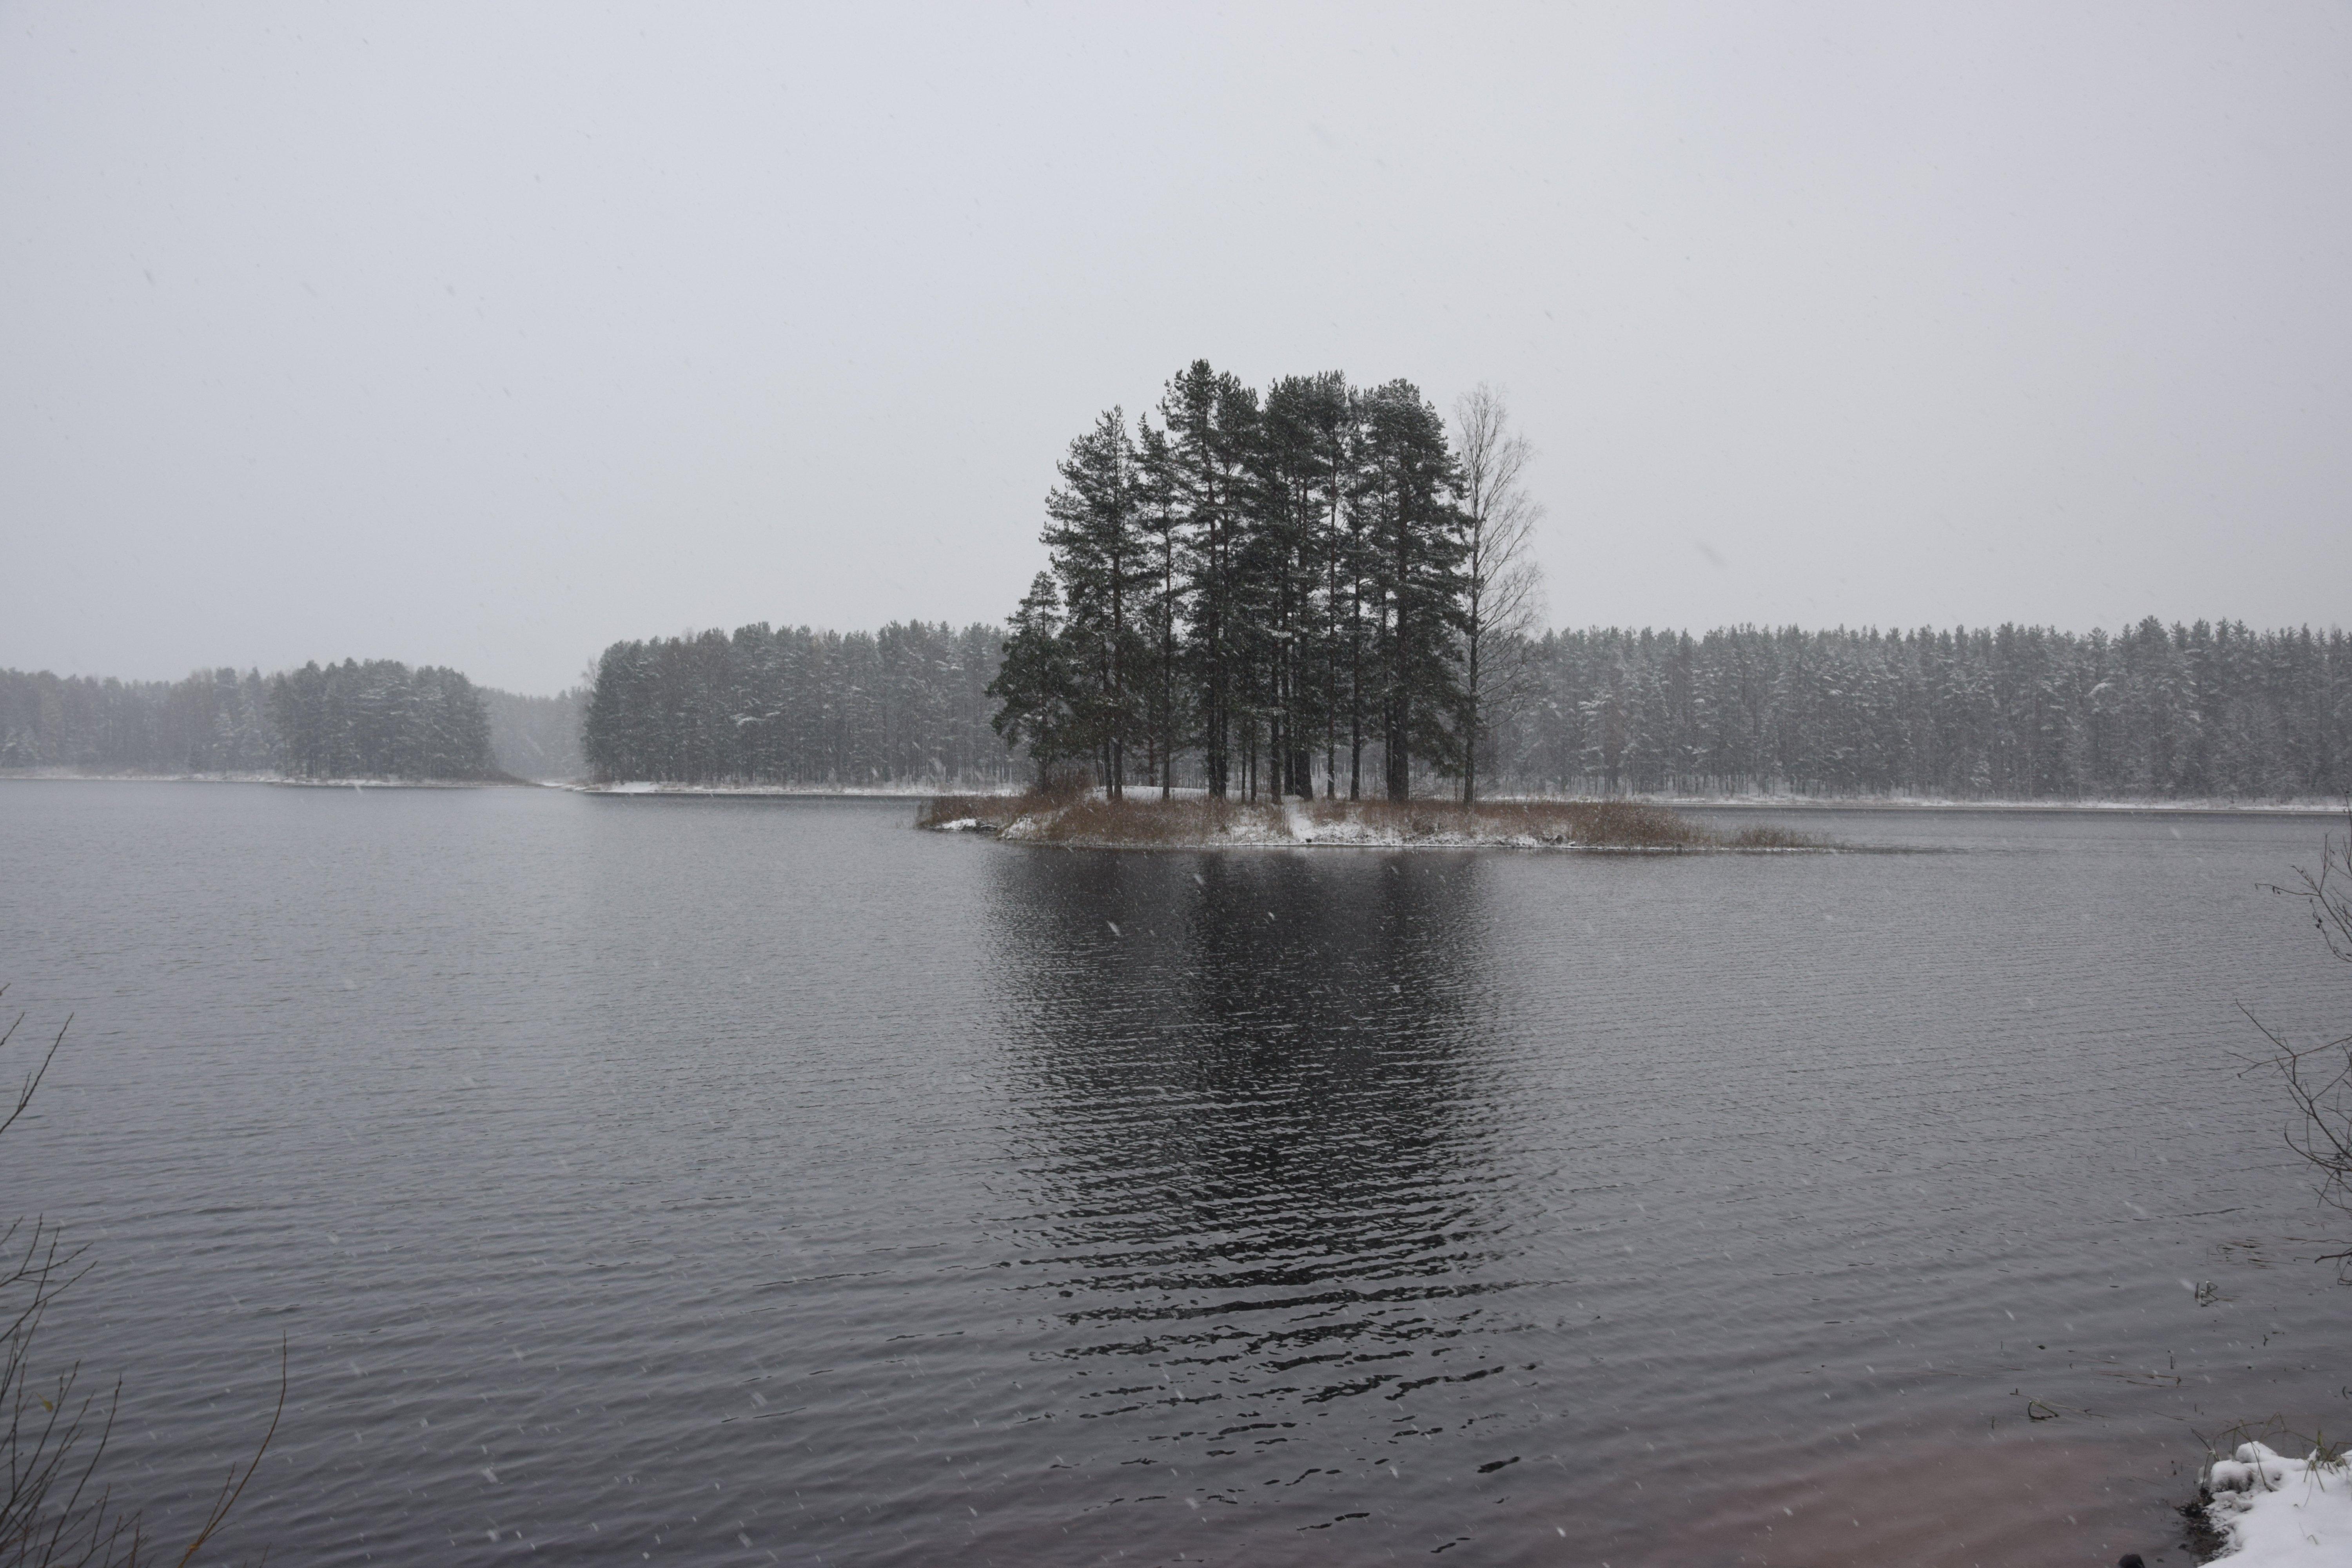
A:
(1303, 829)
(1242, 827)
(2279, 1512)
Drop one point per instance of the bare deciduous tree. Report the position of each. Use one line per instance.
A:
(2319, 1078)
(1504, 588)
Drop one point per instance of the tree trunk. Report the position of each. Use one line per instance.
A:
(1470, 719)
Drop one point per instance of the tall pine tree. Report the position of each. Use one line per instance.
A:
(1095, 538)
(1413, 485)
(1211, 420)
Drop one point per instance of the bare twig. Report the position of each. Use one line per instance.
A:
(2318, 1077)
(58, 1511)
(32, 1078)
(234, 1488)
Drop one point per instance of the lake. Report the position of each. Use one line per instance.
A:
(754, 1181)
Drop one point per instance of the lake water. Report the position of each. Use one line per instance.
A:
(740, 1181)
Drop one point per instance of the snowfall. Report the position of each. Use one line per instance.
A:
(2279, 1512)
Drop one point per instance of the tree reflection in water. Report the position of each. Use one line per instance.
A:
(1261, 1185)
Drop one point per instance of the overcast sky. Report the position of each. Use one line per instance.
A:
(487, 335)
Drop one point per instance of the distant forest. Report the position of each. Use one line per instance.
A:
(2212, 710)
(905, 705)
(2209, 709)
(377, 720)
(2017, 712)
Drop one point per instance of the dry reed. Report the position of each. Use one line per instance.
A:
(1196, 819)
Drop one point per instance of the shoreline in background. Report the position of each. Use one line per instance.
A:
(2209, 806)
(2203, 807)
(2221, 807)
(68, 775)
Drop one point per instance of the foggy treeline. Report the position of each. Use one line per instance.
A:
(906, 704)
(2012, 713)
(377, 720)
(2017, 712)
(215, 722)
(537, 737)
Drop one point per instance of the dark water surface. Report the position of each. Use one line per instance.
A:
(755, 1181)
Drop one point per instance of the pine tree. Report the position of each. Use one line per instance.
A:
(1333, 412)
(1035, 686)
(1160, 531)
(1416, 562)
(1095, 540)
(1305, 453)
(1210, 420)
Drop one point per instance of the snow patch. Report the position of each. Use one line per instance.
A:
(2279, 1512)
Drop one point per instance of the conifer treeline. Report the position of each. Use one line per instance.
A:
(215, 722)
(1279, 585)
(2211, 709)
(790, 705)
(377, 720)
(2017, 712)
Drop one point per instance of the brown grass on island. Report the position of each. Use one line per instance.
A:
(1146, 820)
(1589, 824)
(1081, 817)
(995, 812)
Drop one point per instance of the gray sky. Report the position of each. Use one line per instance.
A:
(486, 335)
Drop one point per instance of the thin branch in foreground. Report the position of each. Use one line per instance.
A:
(33, 1079)
(2318, 1079)
(234, 1488)
(57, 1511)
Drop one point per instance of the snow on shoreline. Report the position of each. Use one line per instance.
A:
(924, 791)
(2205, 805)
(2278, 1512)
(1794, 803)
(1297, 826)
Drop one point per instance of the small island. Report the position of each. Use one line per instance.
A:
(1078, 817)
(1287, 618)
